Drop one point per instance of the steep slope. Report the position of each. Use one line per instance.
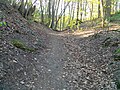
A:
(20, 42)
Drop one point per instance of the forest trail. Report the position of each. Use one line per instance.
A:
(77, 61)
(73, 62)
(34, 57)
(67, 52)
(56, 59)
(53, 79)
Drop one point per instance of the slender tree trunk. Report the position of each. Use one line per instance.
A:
(81, 11)
(63, 25)
(61, 18)
(53, 15)
(116, 6)
(71, 9)
(108, 10)
(57, 7)
(78, 10)
(99, 12)
(69, 15)
(49, 12)
(61, 14)
(91, 11)
(73, 12)
(42, 12)
(85, 7)
(102, 12)
(26, 12)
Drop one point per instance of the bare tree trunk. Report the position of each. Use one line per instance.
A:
(108, 10)
(49, 12)
(116, 6)
(63, 25)
(91, 11)
(60, 16)
(26, 11)
(99, 12)
(85, 7)
(53, 14)
(81, 11)
(57, 7)
(42, 12)
(102, 12)
(70, 13)
(78, 10)
(73, 12)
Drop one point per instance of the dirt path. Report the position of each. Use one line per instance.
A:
(73, 64)
(53, 63)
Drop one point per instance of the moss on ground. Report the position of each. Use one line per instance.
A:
(19, 44)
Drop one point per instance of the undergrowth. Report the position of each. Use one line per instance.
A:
(115, 17)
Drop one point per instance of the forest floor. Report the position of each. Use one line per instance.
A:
(33, 57)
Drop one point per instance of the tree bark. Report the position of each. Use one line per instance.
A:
(102, 12)
(42, 12)
(61, 15)
(99, 12)
(108, 10)
(53, 14)
(49, 12)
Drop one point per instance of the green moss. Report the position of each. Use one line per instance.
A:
(3, 24)
(117, 51)
(19, 44)
(118, 84)
(31, 49)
